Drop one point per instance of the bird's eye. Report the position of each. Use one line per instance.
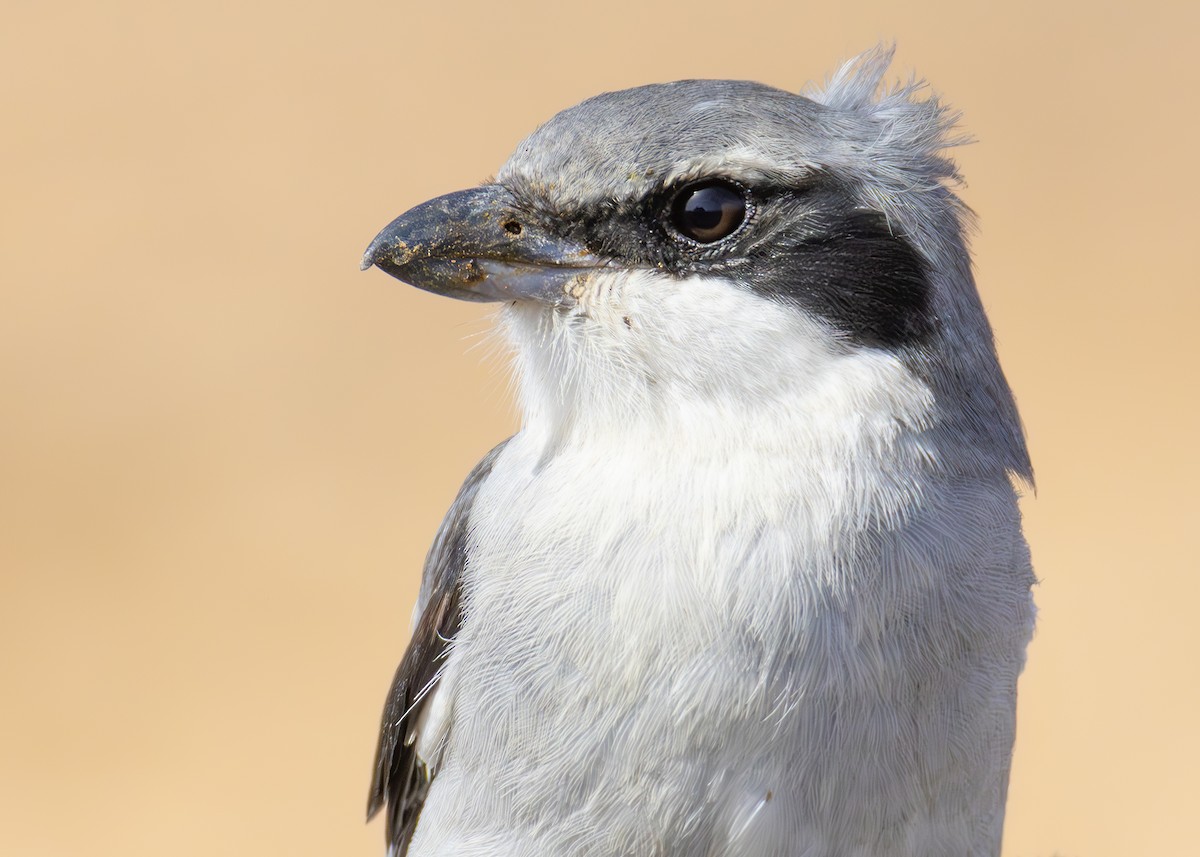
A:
(708, 211)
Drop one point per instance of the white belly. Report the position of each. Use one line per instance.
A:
(719, 655)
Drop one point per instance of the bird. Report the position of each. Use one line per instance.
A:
(750, 579)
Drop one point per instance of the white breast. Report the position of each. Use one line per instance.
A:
(717, 630)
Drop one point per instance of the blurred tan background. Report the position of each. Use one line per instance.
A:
(224, 451)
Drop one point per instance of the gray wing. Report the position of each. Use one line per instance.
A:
(401, 778)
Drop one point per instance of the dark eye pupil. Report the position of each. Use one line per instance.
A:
(709, 211)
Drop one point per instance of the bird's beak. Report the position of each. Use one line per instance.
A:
(477, 245)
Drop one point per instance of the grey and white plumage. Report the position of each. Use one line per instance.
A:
(750, 580)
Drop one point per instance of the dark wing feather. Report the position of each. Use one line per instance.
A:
(401, 778)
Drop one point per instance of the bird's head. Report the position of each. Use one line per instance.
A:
(723, 244)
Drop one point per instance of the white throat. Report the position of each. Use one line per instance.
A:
(700, 370)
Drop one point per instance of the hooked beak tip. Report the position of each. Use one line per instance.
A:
(371, 256)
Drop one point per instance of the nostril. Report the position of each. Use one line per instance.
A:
(512, 227)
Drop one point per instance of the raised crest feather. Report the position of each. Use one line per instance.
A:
(912, 125)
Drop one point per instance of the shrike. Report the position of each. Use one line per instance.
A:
(750, 580)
